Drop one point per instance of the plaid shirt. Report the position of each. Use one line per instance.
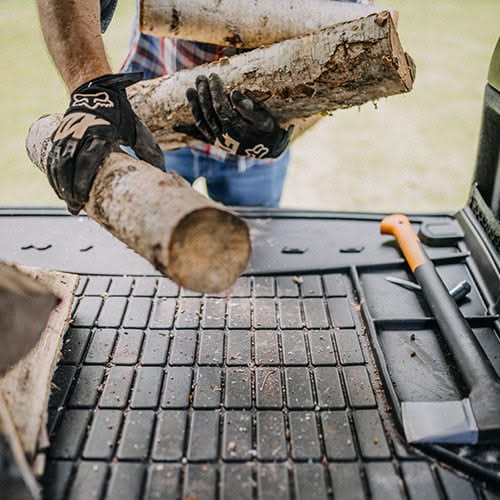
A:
(164, 56)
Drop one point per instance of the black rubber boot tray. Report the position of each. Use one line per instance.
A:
(287, 388)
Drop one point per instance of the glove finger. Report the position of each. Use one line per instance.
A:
(74, 207)
(61, 179)
(63, 170)
(257, 115)
(199, 117)
(283, 142)
(53, 162)
(207, 106)
(191, 130)
(89, 160)
(245, 102)
(146, 147)
(221, 103)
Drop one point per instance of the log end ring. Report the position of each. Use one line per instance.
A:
(209, 250)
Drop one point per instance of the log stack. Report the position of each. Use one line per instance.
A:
(196, 242)
(346, 65)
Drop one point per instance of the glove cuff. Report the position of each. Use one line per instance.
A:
(113, 81)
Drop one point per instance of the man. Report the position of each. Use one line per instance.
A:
(243, 152)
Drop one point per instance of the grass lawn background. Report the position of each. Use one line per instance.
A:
(414, 152)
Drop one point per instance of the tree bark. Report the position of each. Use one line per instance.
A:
(16, 478)
(240, 23)
(193, 240)
(25, 307)
(338, 67)
(26, 387)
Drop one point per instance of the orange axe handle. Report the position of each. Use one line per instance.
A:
(400, 227)
(457, 332)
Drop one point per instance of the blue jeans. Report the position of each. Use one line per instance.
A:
(259, 184)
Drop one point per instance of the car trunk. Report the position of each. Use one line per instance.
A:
(289, 387)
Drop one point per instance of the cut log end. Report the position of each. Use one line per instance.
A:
(402, 61)
(209, 249)
(38, 141)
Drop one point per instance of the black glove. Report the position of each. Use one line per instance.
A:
(98, 120)
(237, 124)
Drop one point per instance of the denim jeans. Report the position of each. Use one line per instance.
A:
(256, 184)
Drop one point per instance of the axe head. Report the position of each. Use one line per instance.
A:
(450, 422)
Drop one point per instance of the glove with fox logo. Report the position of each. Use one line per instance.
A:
(98, 120)
(235, 123)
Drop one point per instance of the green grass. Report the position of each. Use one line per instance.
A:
(415, 152)
(31, 87)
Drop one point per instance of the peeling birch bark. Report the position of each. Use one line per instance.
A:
(339, 67)
(25, 307)
(198, 243)
(26, 387)
(240, 23)
(16, 477)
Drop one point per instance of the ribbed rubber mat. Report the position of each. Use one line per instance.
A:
(271, 393)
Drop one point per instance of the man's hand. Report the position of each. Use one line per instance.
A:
(98, 120)
(236, 124)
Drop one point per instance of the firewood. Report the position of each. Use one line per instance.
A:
(198, 243)
(16, 478)
(240, 23)
(343, 66)
(26, 386)
(195, 241)
(339, 67)
(25, 307)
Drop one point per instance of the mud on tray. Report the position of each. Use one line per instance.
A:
(409, 345)
(271, 393)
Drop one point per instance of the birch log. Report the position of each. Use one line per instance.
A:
(25, 307)
(16, 478)
(26, 387)
(198, 243)
(338, 67)
(241, 23)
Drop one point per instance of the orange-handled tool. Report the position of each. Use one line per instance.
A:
(477, 371)
(400, 227)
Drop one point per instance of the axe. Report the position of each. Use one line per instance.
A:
(475, 418)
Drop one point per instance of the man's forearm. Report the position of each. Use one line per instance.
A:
(72, 33)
